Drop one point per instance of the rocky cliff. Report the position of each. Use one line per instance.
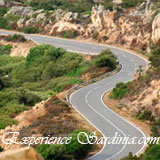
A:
(131, 28)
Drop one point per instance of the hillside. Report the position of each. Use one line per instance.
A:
(130, 24)
(34, 79)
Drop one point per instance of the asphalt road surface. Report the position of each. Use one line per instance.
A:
(88, 101)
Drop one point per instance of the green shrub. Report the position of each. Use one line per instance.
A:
(146, 115)
(70, 34)
(19, 96)
(12, 108)
(153, 153)
(53, 152)
(77, 149)
(5, 49)
(1, 149)
(16, 38)
(131, 3)
(155, 56)
(30, 30)
(106, 59)
(6, 121)
(120, 90)
(156, 128)
(47, 51)
(12, 17)
(108, 5)
(3, 22)
(3, 11)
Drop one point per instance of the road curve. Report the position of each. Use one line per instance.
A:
(88, 101)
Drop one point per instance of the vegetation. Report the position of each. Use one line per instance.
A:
(44, 72)
(155, 128)
(30, 30)
(53, 152)
(1, 149)
(153, 153)
(155, 55)
(77, 149)
(16, 38)
(70, 34)
(5, 49)
(146, 115)
(5, 22)
(131, 3)
(106, 59)
(66, 151)
(120, 90)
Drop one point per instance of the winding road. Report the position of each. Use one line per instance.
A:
(88, 101)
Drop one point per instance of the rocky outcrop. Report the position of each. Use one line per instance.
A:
(21, 23)
(2, 3)
(30, 22)
(19, 10)
(21, 154)
(156, 29)
(70, 17)
(41, 16)
(146, 99)
(59, 14)
(61, 27)
(131, 27)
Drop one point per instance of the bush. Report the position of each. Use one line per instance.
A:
(70, 34)
(1, 149)
(155, 56)
(120, 90)
(153, 153)
(5, 49)
(18, 96)
(6, 121)
(146, 115)
(16, 38)
(106, 59)
(30, 30)
(131, 3)
(3, 11)
(53, 152)
(3, 22)
(12, 17)
(77, 149)
(108, 5)
(156, 128)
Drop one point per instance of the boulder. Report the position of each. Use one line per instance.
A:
(70, 17)
(41, 16)
(2, 3)
(21, 154)
(19, 10)
(61, 27)
(97, 16)
(156, 29)
(21, 23)
(148, 5)
(30, 22)
(59, 14)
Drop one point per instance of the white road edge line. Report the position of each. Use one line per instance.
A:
(110, 124)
